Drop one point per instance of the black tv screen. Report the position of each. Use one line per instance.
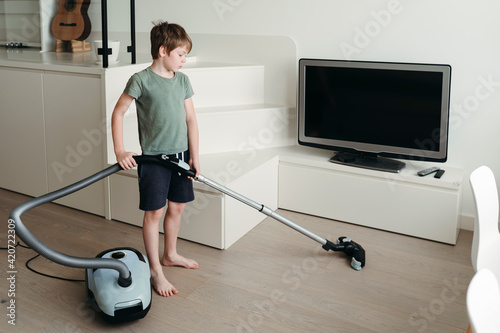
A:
(373, 108)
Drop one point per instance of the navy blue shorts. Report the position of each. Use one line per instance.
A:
(157, 184)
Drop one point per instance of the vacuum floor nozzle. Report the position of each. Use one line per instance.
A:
(350, 248)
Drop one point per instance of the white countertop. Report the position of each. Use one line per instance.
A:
(84, 62)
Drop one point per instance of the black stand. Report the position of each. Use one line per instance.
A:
(105, 51)
(368, 161)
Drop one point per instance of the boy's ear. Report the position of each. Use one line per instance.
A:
(162, 51)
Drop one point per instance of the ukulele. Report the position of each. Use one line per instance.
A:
(71, 21)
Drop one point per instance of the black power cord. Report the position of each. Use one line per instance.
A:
(37, 272)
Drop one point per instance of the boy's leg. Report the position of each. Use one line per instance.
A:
(171, 226)
(150, 234)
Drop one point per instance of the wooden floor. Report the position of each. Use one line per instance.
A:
(272, 280)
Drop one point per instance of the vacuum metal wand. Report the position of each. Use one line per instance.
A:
(352, 249)
(261, 208)
(344, 244)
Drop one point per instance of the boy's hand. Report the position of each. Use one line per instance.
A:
(194, 164)
(126, 160)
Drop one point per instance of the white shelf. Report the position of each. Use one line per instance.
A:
(405, 203)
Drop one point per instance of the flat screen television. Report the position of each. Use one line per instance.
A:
(369, 111)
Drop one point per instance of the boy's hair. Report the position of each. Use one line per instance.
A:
(170, 35)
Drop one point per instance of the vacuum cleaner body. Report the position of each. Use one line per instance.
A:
(114, 302)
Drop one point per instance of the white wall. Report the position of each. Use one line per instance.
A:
(462, 33)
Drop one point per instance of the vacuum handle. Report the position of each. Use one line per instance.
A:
(170, 162)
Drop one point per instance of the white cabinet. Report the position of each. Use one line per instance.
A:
(74, 136)
(405, 203)
(22, 133)
(51, 134)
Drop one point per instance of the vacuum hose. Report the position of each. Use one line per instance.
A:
(125, 278)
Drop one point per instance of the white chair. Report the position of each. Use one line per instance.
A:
(486, 240)
(485, 252)
(483, 302)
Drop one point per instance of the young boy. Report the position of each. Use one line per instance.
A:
(167, 125)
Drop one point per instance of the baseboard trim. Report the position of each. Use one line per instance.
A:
(467, 222)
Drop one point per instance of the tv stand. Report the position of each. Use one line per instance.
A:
(402, 202)
(368, 161)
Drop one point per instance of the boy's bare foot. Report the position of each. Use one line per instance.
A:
(161, 285)
(178, 260)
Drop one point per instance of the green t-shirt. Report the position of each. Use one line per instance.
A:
(161, 114)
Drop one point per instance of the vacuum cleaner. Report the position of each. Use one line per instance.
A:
(118, 280)
(343, 244)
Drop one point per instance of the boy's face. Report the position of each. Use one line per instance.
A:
(173, 61)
